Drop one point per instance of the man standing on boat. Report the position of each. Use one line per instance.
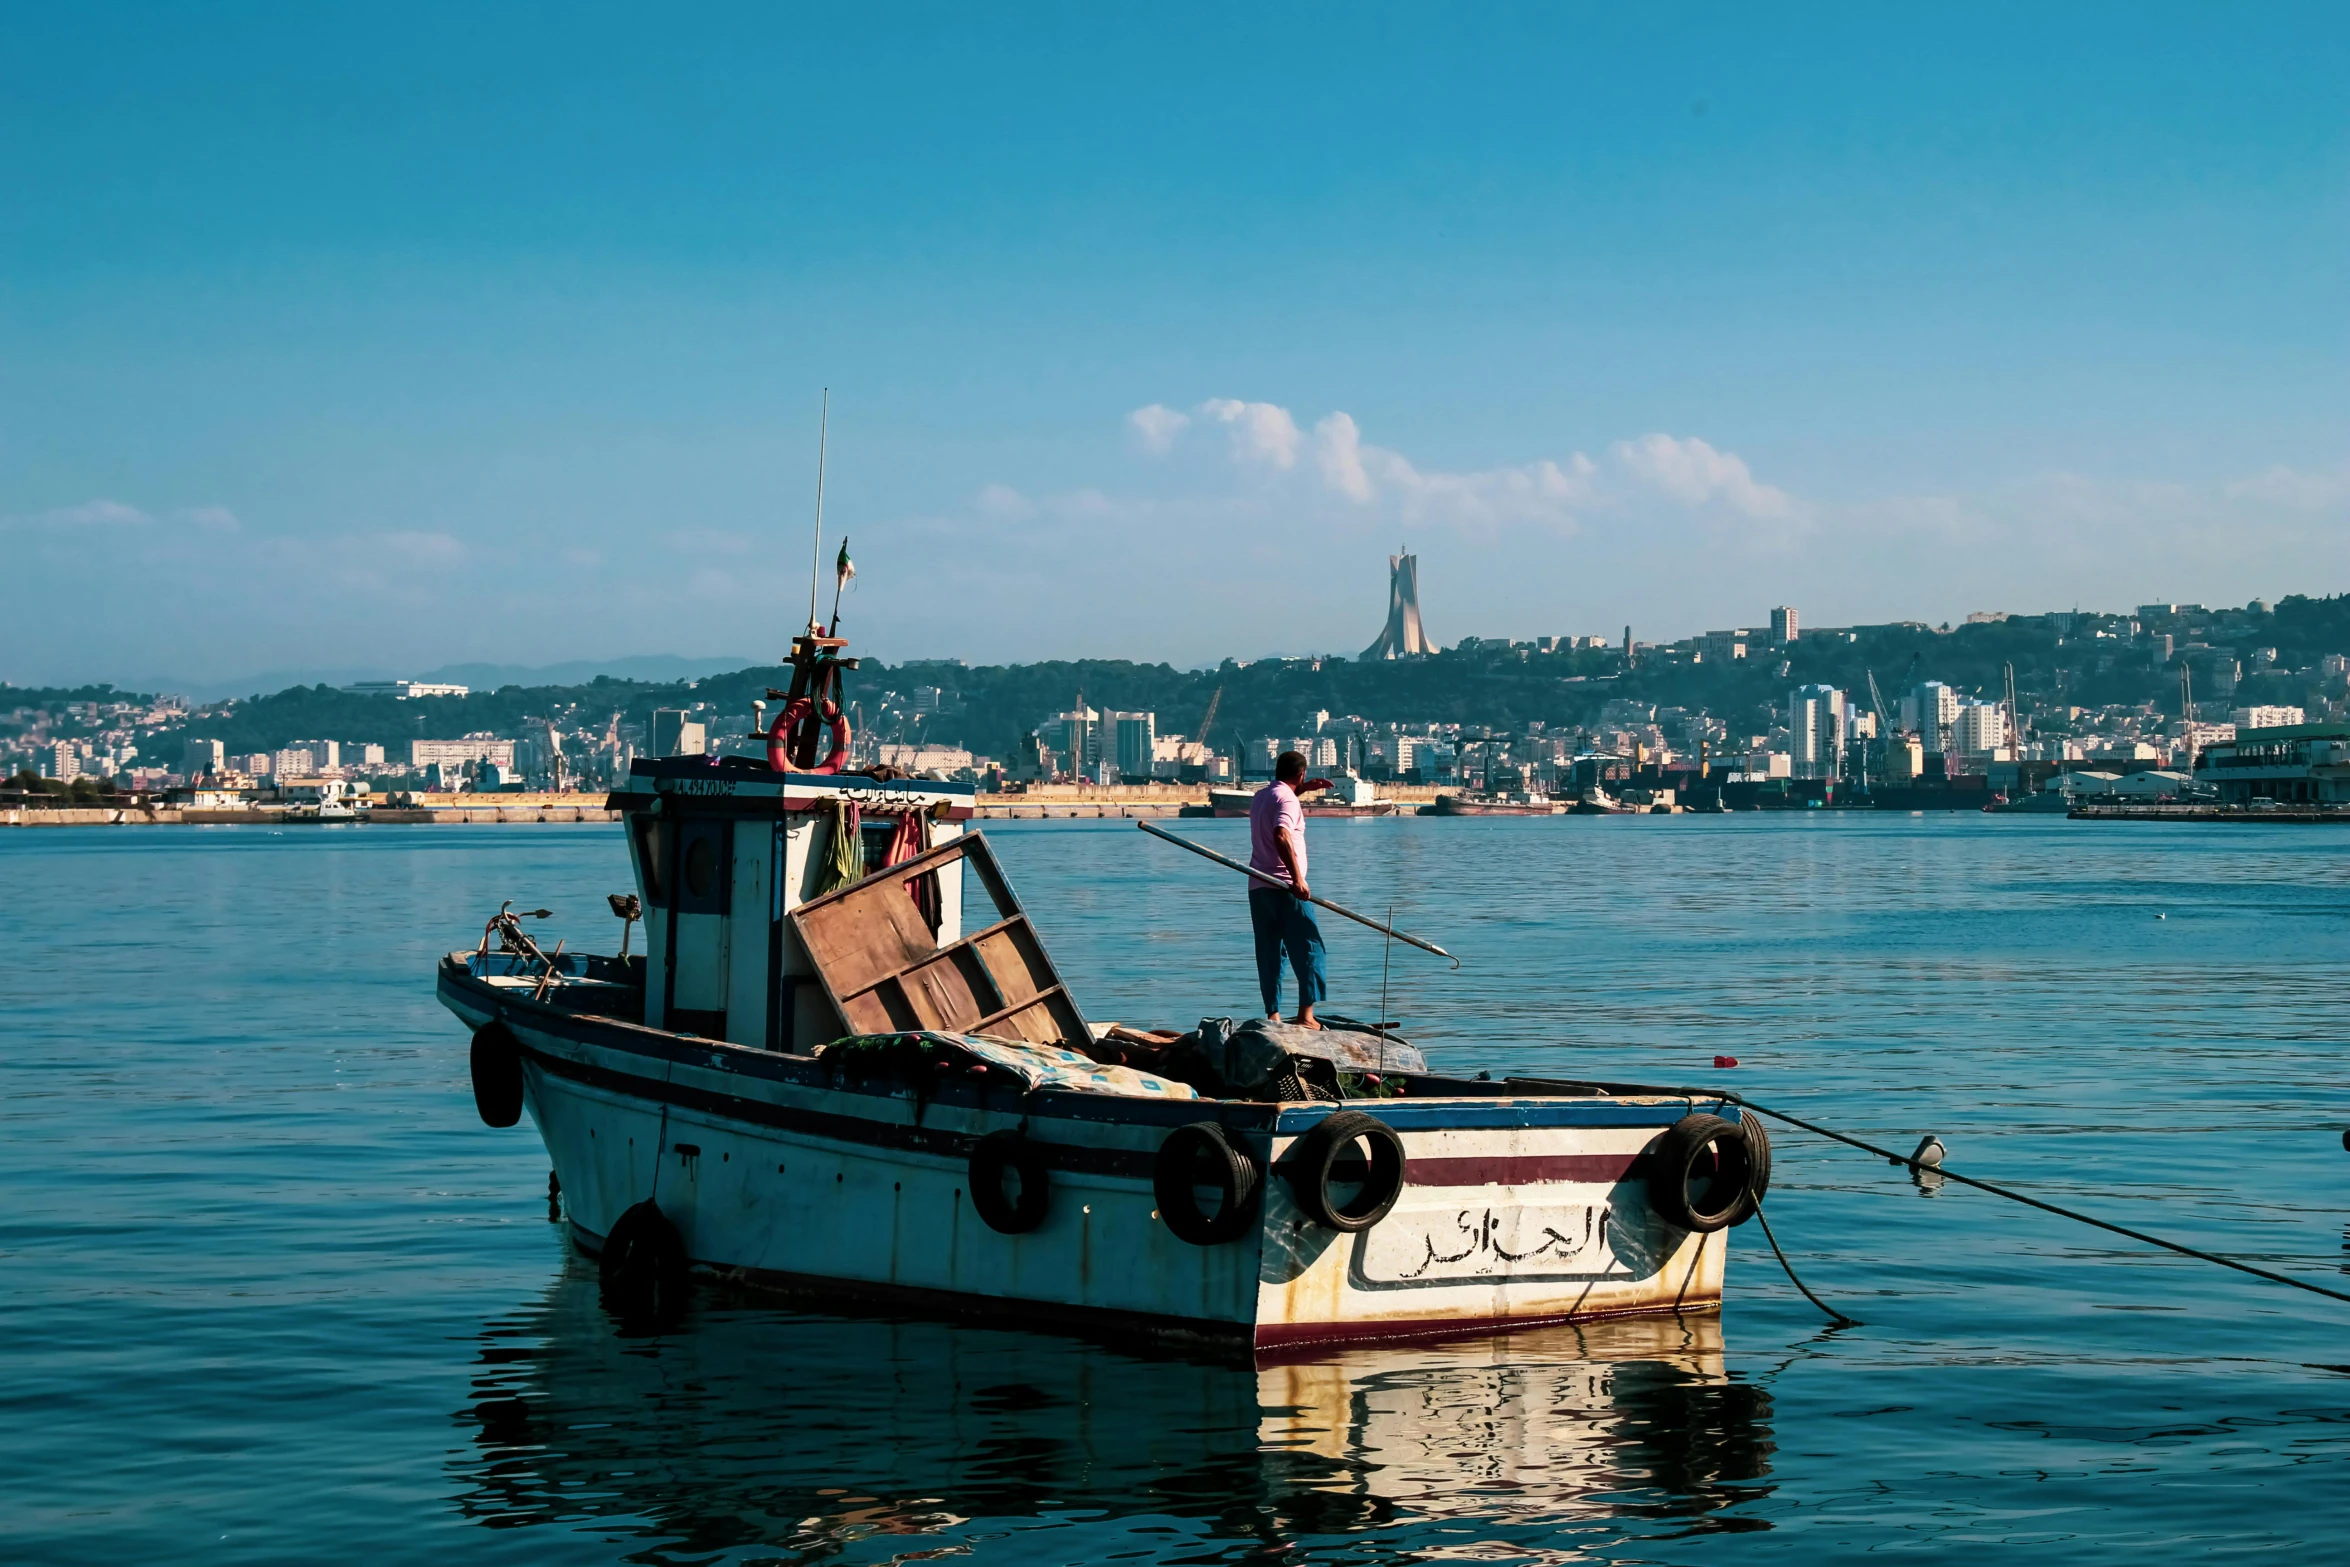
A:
(1280, 916)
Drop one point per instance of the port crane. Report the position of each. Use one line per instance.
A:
(1206, 720)
(2015, 723)
(1884, 731)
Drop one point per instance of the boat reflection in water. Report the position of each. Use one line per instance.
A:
(782, 1435)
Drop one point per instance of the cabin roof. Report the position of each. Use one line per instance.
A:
(749, 784)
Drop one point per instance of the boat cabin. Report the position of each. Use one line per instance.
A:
(726, 849)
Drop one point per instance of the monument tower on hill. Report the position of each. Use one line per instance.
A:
(1403, 637)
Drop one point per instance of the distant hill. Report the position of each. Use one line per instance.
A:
(654, 668)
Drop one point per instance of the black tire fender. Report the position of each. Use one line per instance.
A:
(1701, 1174)
(1314, 1163)
(643, 1264)
(1201, 1155)
(1758, 1153)
(991, 1157)
(497, 1075)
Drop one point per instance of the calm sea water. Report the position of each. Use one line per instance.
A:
(272, 1293)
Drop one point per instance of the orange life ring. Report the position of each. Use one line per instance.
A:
(800, 710)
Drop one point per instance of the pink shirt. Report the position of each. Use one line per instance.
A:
(1274, 811)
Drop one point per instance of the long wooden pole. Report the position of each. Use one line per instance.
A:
(1275, 881)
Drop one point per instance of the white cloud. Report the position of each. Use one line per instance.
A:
(417, 548)
(1693, 472)
(1338, 448)
(213, 519)
(89, 514)
(1001, 500)
(1156, 427)
(2293, 489)
(1261, 432)
(1684, 474)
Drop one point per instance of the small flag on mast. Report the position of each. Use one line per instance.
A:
(842, 570)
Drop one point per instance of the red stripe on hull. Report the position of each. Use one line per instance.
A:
(1599, 1169)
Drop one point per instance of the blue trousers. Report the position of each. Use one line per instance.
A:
(1285, 921)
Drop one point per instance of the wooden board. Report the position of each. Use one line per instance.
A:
(886, 973)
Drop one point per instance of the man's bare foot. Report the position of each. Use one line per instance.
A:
(1306, 1019)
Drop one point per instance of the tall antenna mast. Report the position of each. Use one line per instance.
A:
(816, 552)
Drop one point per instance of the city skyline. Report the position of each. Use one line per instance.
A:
(488, 341)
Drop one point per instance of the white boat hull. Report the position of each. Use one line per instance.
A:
(1516, 1210)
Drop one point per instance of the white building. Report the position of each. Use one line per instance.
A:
(64, 761)
(1723, 646)
(2268, 717)
(1783, 625)
(1980, 729)
(198, 757)
(1815, 731)
(926, 760)
(402, 690)
(295, 761)
(451, 754)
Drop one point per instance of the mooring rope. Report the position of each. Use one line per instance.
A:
(2011, 1195)
(1834, 1316)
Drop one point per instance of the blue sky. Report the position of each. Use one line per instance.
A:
(333, 337)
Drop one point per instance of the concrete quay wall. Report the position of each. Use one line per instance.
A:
(94, 816)
(449, 810)
(1056, 801)
(1037, 802)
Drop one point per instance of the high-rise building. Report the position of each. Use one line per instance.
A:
(1133, 742)
(295, 761)
(1815, 731)
(673, 735)
(1783, 626)
(1403, 637)
(198, 757)
(1928, 711)
(1077, 735)
(1980, 729)
(65, 761)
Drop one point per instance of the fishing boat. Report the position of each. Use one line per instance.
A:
(845, 1065)
(1520, 802)
(1346, 796)
(1596, 801)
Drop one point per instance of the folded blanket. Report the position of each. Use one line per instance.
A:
(1035, 1065)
